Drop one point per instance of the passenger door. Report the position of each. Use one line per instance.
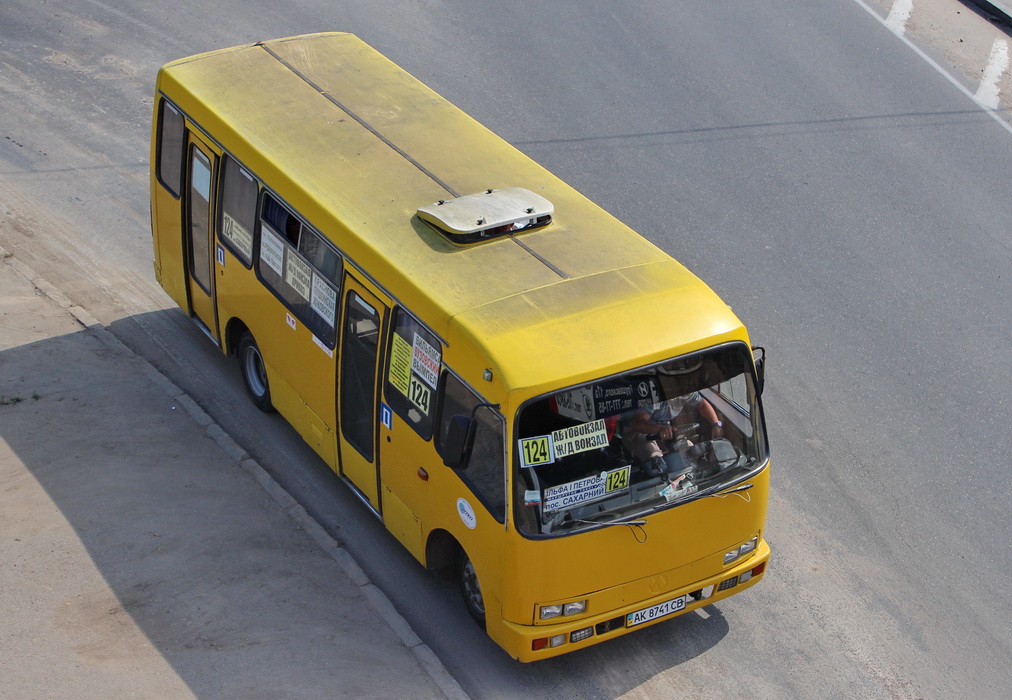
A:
(358, 387)
(199, 234)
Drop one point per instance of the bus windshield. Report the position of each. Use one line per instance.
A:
(627, 445)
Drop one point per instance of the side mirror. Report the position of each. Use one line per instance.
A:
(459, 439)
(759, 356)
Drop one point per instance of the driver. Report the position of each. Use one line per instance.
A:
(649, 435)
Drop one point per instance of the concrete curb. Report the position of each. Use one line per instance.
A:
(376, 599)
(1000, 10)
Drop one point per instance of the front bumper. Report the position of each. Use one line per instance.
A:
(533, 642)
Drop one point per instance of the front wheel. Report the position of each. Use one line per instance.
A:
(254, 374)
(470, 590)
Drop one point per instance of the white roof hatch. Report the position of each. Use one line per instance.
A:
(477, 217)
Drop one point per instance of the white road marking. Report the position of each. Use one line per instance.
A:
(997, 64)
(992, 112)
(899, 15)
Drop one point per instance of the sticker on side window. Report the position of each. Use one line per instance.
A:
(324, 301)
(237, 234)
(272, 251)
(420, 395)
(400, 364)
(299, 276)
(425, 361)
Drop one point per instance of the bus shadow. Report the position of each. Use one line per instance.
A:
(224, 595)
(137, 553)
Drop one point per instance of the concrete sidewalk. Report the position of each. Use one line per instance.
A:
(143, 555)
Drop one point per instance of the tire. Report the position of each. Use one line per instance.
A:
(470, 590)
(254, 373)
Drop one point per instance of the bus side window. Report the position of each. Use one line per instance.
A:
(486, 468)
(291, 256)
(275, 215)
(415, 357)
(320, 255)
(485, 471)
(238, 210)
(171, 142)
(454, 399)
(358, 372)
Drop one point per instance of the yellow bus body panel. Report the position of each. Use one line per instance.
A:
(355, 145)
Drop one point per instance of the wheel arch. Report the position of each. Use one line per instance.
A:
(233, 332)
(441, 551)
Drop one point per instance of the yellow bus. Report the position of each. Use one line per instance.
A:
(523, 389)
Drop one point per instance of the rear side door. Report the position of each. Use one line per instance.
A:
(358, 387)
(198, 233)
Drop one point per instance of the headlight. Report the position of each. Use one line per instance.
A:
(576, 607)
(741, 551)
(549, 611)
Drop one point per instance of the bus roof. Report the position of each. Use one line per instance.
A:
(357, 146)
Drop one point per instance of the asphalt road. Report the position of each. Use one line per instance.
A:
(849, 201)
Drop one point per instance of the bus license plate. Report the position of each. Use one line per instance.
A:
(654, 612)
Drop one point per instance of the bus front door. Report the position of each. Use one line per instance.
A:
(357, 387)
(199, 235)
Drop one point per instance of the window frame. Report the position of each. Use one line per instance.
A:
(498, 512)
(227, 161)
(399, 402)
(200, 270)
(365, 425)
(179, 166)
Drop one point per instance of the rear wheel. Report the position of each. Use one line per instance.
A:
(254, 374)
(470, 590)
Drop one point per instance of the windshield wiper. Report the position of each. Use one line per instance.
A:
(736, 489)
(638, 523)
(635, 526)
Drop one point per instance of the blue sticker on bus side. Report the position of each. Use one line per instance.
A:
(220, 254)
(466, 513)
(386, 416)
